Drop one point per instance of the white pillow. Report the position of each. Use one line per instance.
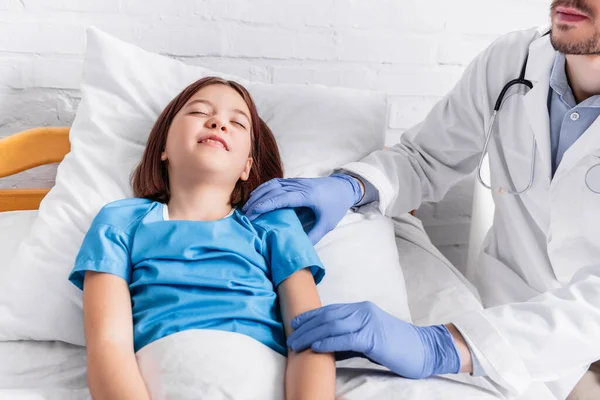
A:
(124, 89)
(14, 227)
(361, 263)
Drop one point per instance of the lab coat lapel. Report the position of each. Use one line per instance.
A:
(535, 103)
(536, 109)
(539, 69)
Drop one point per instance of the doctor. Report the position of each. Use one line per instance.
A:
(539, 272)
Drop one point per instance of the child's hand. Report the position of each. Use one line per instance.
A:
(329, 198)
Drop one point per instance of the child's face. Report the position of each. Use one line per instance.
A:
(211, 134)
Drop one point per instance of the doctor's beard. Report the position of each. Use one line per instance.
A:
(562, 33)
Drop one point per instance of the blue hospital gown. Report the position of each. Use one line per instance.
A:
(185, 275)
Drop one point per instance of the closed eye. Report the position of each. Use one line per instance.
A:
(198, 112)
(239, 123)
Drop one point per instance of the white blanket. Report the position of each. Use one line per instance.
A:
(185, 366)
(213, 365)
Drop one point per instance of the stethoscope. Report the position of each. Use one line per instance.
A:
(519, 81)
(522, 81)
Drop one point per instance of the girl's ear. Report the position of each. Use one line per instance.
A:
(246, 172)
(163, 156)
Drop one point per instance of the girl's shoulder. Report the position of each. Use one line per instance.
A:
(123, 214)
(278, 219)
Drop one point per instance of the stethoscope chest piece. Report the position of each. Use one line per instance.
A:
(592, 179)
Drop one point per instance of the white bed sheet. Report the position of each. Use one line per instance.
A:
(56, 371)
(50, 370)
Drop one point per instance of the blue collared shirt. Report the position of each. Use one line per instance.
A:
(568, 120)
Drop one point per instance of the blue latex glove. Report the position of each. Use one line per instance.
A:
(408, 350)
(329, 199)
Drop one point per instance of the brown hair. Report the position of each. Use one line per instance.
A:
(150, 180)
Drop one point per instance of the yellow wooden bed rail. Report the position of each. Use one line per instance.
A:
(26, 150)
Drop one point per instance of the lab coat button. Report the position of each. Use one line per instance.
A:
(575, 116)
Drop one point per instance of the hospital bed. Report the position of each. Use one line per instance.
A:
(54, 370)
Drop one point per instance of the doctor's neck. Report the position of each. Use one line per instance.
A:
(198, 201)
(576, 33)
(583, 72)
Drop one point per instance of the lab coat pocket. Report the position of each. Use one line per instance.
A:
(592, 177)
(576, 219)
(591, 195)
(572, 221)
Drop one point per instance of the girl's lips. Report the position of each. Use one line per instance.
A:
(214, 138)
(213, 143)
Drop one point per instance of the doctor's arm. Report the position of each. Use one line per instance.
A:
(113, 371)
(544, 339)
(436, 154)
(309, 375)
(430, 159)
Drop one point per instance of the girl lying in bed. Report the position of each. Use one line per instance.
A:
(182, 256)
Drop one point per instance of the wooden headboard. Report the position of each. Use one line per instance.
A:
(26, 150)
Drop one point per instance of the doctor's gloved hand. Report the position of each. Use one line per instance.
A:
(408, 350)
(329, 199)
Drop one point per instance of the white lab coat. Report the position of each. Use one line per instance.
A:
(539, 271)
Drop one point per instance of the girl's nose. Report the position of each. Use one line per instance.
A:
(214, 125)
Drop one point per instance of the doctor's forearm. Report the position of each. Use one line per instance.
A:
(522, 341)
(362, 187)
(466, 362)
(369, 192)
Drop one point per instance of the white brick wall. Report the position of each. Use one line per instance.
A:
(414, 50)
